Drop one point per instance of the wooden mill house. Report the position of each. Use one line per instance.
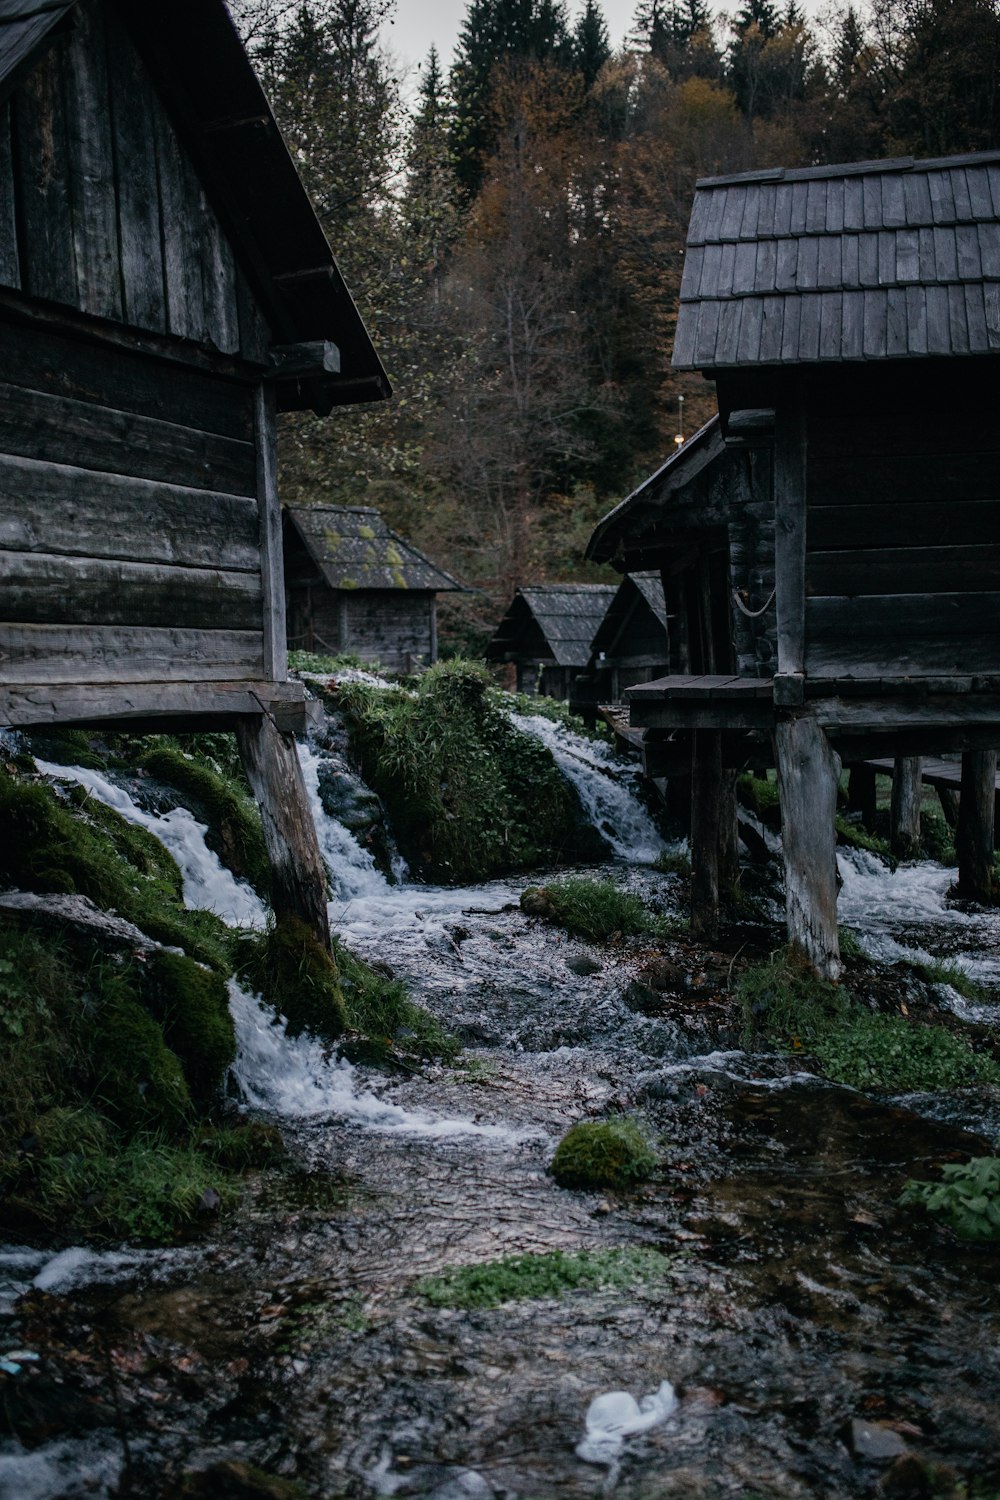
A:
(850, 317)
(353, 585)
(547, 632)
(165, 290)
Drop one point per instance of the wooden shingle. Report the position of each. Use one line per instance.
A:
(778, 262)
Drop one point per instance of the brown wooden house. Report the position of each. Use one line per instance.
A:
(165, 289)
(850, 317)
(547, 633)
(353, 585)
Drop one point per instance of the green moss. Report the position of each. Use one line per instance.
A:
(468, 794)
(294, 974)
(595, 909)
(761, 797)
(520, 1277)
(855, 836)
(603, 1154)
(138, 1081)
(379, 1007)
(191, 1005)
(235, 831)
(249, 1143)
(937, 839)
(785, 1003)
(967, 1198)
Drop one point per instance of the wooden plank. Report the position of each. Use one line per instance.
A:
(122, 654)
(10, 266)
(716, 713)
(883, 654)
(959, 711)
(790, 500)
(93, 437)
(152, 703)
(269, 511)
(904, 570)
(62, 363)
(808, 775)
(179, 192)
(949, 616)
(60, 509)
(255, 334)
(42, 587)
(139, 211)
(91, 168)
(48, 267)
(904, 809)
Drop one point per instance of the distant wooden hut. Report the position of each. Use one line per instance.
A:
(850, 317)
(354, 585)
(547, 633)
(631, 644)
(165, 288)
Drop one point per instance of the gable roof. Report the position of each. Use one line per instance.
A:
(558, 619)
(354, 549)
(865, 261)
(640, 510)
(642, 592)
(197, 61)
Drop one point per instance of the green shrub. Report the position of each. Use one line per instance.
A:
(234, 827)
(291, 970)
(520, 1277)
(967, 1198)
(937, 838)
(596, 909)
(603, 1154)
(468, 795)
(673, 862)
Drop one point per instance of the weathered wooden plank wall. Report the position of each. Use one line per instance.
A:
(392, 627)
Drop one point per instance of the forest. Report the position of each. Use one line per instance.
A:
(513, 233)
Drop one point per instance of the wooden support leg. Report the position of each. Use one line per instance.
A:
(706, 789)
(298, 875)
(808, 773)
(949, 799)
(729, 850)
(904, 812)
(679, 800)
(974, 838)
(862, 794)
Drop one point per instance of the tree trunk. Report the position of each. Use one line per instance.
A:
(706, 792)
(904, 813)
(808, 772)
(974, 838)
(298, 875)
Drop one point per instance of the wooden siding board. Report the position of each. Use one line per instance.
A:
(732, 215)
(685, 334)
(830, 268)
(92, 437)
(52, 588)
(816, 206)
(765, 209)
(945, 254)
(908, 255)
(991, 303)
(809, 317)
(745, 267)
(10, 266)
(874, 335)
(903, 570)
(958, 319)
(48, 268)
(888, 655)
(850, 273)
(895, 335)
(708, 332)
(893, 204)
(730, 317)
(926, 257)
(886, 258)
(90, 167)
(975, 313)
(179, 191)
(782, 210)
(871, 188)
(854, 206)
(989, 249)
(123, 654)
(748, 348)
(46, 507)
(938, 322)
(255, 334)
(980, 199)
(993, 174)
(699, 217)
(787, 260)
(691, 275)
(875, 523)
(715, 209)
(799, 205)
(139, 210)
(868, 259)
(727, 262)
(960, 192)
(711, 262)
(766, 266)
(771, 330)
(790, 329)
(222, 323)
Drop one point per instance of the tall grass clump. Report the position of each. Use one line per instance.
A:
(468, 794)
(595, 909)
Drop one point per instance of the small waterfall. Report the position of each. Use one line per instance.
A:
(606, 788)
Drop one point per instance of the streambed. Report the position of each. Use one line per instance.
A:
(794, 1299)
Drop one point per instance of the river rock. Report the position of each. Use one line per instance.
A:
(582, 964)
(874, 1442)
(345, 797)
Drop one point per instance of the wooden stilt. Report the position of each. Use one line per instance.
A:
(298, 875)
(949, 800)
(808, 772)
(706, 790)
(729, 851)
(974, 837)
(862, 794)
(904, 812)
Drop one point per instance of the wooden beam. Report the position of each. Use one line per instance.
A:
(706, 793)
(790, 538)
(904, 812)
(974, 836)
(132, 703)
(808, 772)
(271, 553)
(298, 875)
(304, 361)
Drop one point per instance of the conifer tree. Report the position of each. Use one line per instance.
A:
(591, 44)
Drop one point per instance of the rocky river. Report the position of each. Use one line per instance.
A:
(786, 1328)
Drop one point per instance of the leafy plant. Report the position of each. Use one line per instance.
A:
(603, 1153)
(554, 1274)
(967, 1198)
(596, 909)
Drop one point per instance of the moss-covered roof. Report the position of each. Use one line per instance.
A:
(353, 548)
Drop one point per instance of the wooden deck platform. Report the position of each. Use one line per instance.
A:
(702, 702)
(936, 773)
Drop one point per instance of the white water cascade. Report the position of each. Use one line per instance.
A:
(606, 788)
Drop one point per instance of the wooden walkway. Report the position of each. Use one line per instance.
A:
(936, 773)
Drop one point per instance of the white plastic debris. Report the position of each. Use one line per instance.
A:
(617, 1415)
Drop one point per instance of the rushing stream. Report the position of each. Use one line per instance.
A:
(797, 1299)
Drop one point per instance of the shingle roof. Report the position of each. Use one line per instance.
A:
(200, 67)
(637, 511)
(354, 549)
(649, 589)
(564, 617)
(872, 260)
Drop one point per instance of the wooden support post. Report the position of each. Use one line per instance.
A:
(904, 812)
(974, 838)
(706, 790)
(862, 794)
(729, 849)
(808, 772)
(949, 799)
(298, 875)
(790, 548)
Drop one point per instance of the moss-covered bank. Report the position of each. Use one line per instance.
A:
(468, 794)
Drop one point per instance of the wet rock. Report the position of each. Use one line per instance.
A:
(536, 902)
(873, 1441)
(232, 1480)
(582, 964)
(665, 976)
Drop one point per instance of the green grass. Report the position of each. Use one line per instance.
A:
(939, 971)
(603, 1154)
(595, 909)
(518, 1278)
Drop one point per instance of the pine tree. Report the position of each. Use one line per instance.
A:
(429, 202)
(591, 44)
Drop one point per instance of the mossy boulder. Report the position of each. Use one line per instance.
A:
(603, 1154)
